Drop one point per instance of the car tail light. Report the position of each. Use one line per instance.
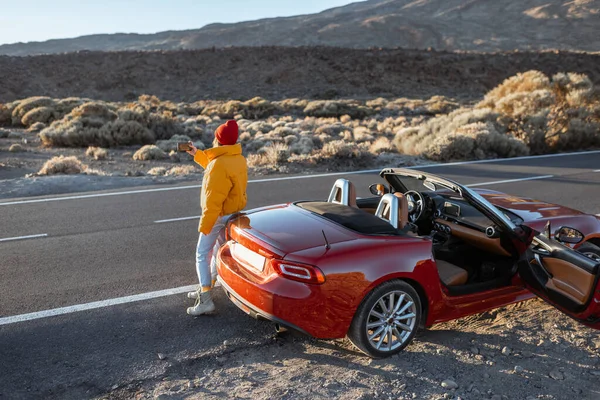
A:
(299, 272)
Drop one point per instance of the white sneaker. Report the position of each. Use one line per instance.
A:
(204, 304)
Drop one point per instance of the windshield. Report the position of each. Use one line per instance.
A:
(406, 183)
(403, 181)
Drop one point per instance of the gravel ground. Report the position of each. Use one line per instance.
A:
(523, 351)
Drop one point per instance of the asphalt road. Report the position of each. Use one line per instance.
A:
(109, 245)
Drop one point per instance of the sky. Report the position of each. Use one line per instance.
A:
(39, 20)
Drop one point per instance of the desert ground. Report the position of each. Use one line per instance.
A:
(523, 351)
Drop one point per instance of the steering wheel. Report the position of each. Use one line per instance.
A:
(415, 205)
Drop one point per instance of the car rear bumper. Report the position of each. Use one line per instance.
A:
(253, 311)
(296, 305)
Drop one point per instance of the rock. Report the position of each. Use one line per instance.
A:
(518, 369)
(474, 350)
(15, 135)
(161, 356)
(449, 384)
(470, 388)
(226, 343)
(506, 350)
(496, 397)
(221, 359)
(476, 393)
(557, 375)
(486, 375)
(530, 398)
(114, 387)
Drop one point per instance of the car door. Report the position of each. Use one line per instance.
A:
(564, 278)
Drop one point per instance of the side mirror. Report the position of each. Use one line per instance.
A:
(378, 189)
(568, 235)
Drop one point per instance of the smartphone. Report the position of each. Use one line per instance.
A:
(183, 146)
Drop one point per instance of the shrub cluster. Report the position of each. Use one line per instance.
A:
(528, 113)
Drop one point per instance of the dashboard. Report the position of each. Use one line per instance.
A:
(455, 210)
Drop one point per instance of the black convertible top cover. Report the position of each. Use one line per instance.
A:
(352, 218)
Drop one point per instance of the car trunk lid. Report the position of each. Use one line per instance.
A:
(278, 230)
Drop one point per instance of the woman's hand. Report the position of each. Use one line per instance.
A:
(193, 151)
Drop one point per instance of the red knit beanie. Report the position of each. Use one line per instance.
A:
(227, 134)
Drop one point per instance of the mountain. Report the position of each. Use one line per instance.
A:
(453, 25)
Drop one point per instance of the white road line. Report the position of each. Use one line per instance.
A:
(176, 219)
(531, 178)
(580, 153)
(87, 196)
(97, 304)
(24, 237)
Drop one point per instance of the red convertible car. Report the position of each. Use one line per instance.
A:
(422, 250)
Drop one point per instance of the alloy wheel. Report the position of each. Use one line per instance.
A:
(391, 321)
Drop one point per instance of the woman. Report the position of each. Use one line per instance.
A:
(223, 193)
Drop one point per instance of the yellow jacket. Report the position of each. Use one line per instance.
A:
(224, 183)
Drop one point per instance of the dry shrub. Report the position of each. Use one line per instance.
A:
(182, 170)
(16, 148)
(272, 155)
(476, 141)
(157, 171)
(303, 145)
(362, 134)
(97, 153)
(26, 105)
(164, 126)
(124, 133)
(418, 140)
(38, 126)
(254, 108)
(292, 106)
(526, 82)
(65, 106)
(331, 129)
(382, 145)
(336, 108)
(433, 106)
(62, 165)
(149, 152)
(94, 109)
(6, 111)
(39, 114)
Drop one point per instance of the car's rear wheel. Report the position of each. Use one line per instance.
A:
(387, 320)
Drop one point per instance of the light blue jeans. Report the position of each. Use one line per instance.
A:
(208, 245)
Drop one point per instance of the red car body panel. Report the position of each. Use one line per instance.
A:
(536, 214)
(358, 263)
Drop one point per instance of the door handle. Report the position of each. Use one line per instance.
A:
(541, 250)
